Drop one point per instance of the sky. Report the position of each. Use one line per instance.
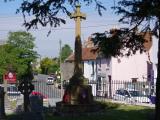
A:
(49, 46)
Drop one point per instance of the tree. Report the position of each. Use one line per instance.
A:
(19, 53)
(142, 15)
(8, 59)
(45, 64)
(45, 12)
(146, 13)
(55, 67)
(49, 65)
(134, 12)
(66, 51)
(119, 42)
(3, 59)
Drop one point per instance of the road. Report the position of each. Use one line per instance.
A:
(50, 91)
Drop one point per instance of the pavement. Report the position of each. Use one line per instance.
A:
(8, 108)
(139, 104)
(51, 102)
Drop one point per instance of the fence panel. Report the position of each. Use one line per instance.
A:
(125, 91)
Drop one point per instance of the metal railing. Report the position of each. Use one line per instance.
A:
(125, 91)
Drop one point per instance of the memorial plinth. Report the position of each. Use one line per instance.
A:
(78, 98)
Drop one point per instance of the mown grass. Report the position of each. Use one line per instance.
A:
(112, 111)
(13, 104)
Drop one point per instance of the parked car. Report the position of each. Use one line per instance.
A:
(13, 91)
(131, 96)
(50, 80)
(152, 97)
(45, 98)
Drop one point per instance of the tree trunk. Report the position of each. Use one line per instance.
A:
(157, 111)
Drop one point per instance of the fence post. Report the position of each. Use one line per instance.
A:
(2, 108)
(110, 87)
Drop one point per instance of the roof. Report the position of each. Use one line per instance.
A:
(87, 54)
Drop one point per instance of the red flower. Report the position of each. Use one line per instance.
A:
(66, 97)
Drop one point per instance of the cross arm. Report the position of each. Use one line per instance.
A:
(76, 15)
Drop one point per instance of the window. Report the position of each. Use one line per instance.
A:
(92, 67)
(83, 67)
(126, 93)
(120, 92)
(99, 84)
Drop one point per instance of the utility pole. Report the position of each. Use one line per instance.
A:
(60, 61)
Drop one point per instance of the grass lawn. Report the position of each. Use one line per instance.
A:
(113, 112)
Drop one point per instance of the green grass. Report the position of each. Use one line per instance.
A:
(113, 112)
(13, 104)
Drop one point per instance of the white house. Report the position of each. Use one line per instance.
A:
(89, 65)
(138, 66)
(154, 56)
(99, 69)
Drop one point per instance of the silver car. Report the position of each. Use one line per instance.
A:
(131, 96)
(50, 80)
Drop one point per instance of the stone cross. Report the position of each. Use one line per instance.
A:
(26, 87)
(78, 16)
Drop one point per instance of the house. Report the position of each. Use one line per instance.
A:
(154, 58)
(102, 72)
(67, 70)
(88, 60)
(89, 65)
(137, 68)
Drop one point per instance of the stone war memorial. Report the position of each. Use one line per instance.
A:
(77, 98)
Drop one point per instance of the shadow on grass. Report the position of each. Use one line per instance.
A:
(111, 111)
(14, 117)
(29, 115)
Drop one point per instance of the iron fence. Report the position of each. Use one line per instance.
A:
(117, 90)
(125, 91)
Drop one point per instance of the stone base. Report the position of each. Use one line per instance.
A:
(63, 109)
(78, 94)
(77, 99)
